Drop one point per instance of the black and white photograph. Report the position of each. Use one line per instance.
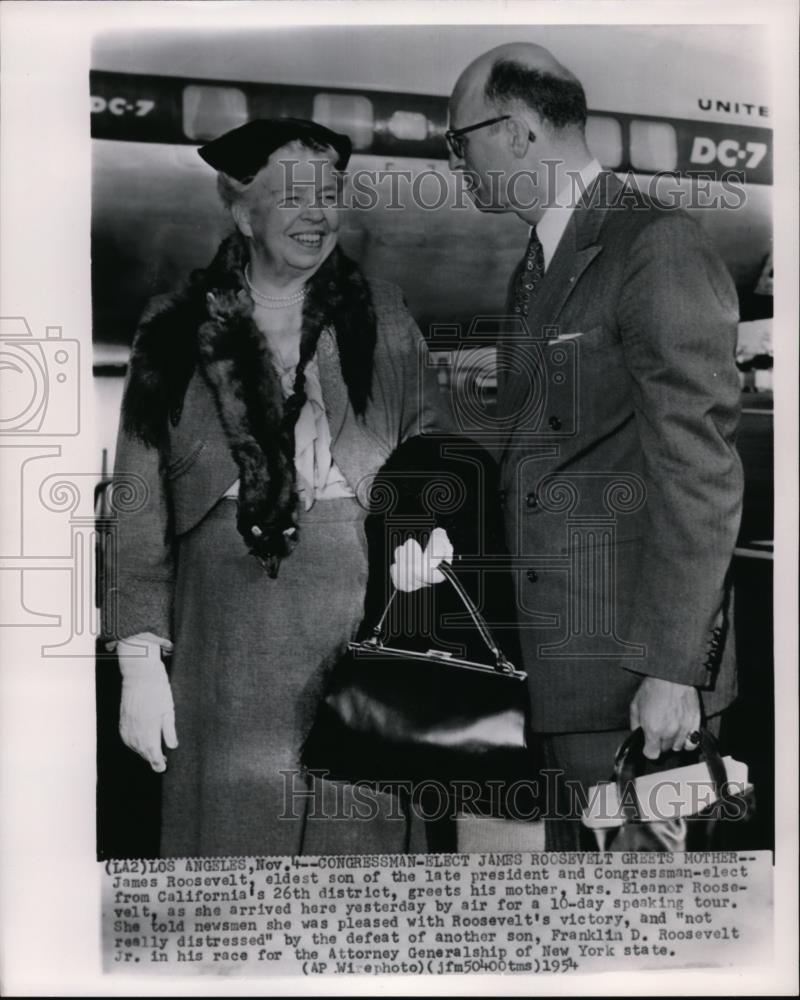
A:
(399, 463)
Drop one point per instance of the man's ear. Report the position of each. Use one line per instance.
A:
(241, 216)
(520, 136)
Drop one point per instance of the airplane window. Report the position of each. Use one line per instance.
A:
(409, 125)
(348, 113)
(604, 138)
(209, 111)
(654, 146)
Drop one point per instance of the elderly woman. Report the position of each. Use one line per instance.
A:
(261, 397)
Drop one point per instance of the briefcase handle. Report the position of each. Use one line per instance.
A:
(625, 770)
(501, 664)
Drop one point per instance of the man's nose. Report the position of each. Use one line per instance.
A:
(456, 162)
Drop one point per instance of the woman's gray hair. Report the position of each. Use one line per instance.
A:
(231, 191)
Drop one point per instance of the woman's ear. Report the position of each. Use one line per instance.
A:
(241, 216)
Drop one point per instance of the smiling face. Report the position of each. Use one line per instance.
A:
(289, 213)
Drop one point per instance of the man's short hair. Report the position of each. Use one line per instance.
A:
(558, 100)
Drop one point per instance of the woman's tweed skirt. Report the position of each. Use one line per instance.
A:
(248, 668)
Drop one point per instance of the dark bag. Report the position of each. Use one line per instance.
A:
(395, 716)
(725, 824)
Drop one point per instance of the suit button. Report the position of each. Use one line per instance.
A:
(532, 500)
(502, 495)
(555, 424)
(256, 532)
(532, 576)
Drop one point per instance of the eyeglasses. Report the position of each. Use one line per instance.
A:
(453, 135)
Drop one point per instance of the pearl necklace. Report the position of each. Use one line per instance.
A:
(273, 301)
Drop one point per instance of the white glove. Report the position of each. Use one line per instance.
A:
(412, 568)
(146, 711)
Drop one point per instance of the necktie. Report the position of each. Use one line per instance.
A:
(528, 277)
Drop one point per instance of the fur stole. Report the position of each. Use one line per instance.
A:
(208, 326)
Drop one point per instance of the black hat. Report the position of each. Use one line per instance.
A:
(242, 152)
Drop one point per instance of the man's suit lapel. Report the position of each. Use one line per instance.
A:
(578, 247)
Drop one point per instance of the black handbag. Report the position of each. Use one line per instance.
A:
(398, 717)
(724, 824)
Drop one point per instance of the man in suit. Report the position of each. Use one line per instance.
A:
(618, 402)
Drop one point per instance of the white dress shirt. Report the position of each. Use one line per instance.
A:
(552, 224)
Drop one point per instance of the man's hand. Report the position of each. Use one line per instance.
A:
(412, 568)
(667, 713)
(146, 711)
